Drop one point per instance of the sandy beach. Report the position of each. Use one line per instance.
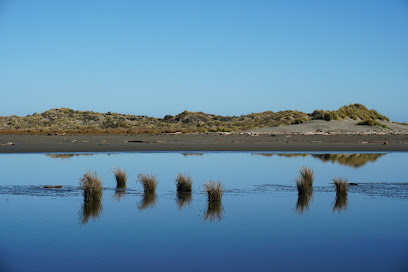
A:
(203, 142)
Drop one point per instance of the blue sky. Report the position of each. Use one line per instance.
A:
(226, 57)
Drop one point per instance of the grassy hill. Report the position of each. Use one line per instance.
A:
(72, 121)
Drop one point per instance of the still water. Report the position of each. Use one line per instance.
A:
(261, 224)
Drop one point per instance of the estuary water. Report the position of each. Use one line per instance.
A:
(260, 225)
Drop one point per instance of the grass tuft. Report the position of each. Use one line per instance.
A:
(341, 186)
(149, 182)
(304, 182)
(121, 177)
(92, 187)
(214, 191)
(184, 183)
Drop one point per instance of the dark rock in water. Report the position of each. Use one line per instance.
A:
(52, 186)
(352, 184)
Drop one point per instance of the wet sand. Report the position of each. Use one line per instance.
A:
(202, 142)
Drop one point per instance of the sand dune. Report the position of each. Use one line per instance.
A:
(346, 125)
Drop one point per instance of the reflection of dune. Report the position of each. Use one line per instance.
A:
(214, 211)
(192, 154)
(352, 160)
(91, 209)
(287, 155)
(183, 198)
(148, 201)
(66, 156)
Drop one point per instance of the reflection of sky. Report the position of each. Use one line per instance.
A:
(234, 169)
(256, 231)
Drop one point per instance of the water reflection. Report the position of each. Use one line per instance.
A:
(192, 154)
(352, 160)
(183, 199)
(214, 211)
(90, 209)
(303, 202)
(66, 156)
(341, 203)
(120, 193)
(148, 201)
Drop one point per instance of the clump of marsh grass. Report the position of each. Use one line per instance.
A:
(121, 177)
(304, 181)
(214, 191)
(184, 183)
(92, 188)
(149, 182)
(341, 186)
(214, 205)
(183, 198)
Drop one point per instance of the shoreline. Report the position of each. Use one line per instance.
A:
(204, 142)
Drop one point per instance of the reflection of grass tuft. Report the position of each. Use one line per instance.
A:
(184, 183)
(183, 198)
(148, 181)
(148, 201)
(214, 211)
(214, 205)
(121, 177)
(341, 203)
(119, 193)
(303, 203)
(91, 210)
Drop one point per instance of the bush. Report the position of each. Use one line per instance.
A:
(149, 182)
(121, 177)
(92, 187)
(341, 186)
(304, 182)
(184, 183)
(214, 191)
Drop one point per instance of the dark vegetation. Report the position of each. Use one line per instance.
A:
(184, 183)
(64, 120)
(214, 195)
(372, 123)
(149, 183)
(341, 187)
(121, 178)
(304, 182)
(353, 111)
(92, 192)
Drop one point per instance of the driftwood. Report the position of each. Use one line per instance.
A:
(52, 186)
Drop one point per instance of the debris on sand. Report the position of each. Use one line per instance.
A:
(9, 143)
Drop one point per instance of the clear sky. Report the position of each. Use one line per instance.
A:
(225, 57)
